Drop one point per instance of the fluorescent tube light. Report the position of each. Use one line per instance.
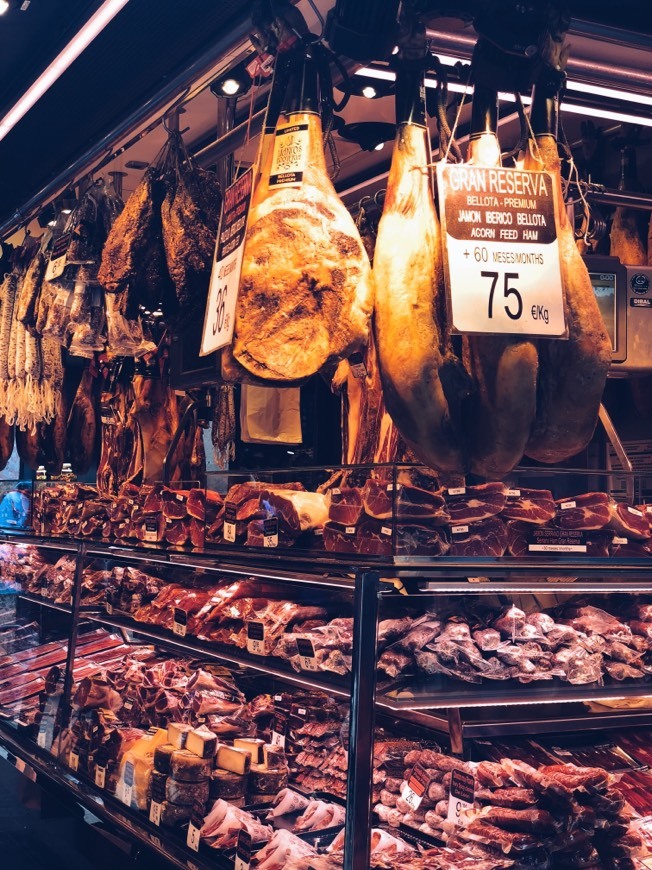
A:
(571, 108)
(82, 39)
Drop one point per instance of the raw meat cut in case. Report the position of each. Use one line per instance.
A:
(377, 498)
(485, 538)
(420, 505)
(628, 521)
(417, 540)
(529, 506)
(345, 505)
(589, 511)
(474, 503)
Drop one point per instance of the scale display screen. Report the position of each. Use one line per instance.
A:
(604, 287)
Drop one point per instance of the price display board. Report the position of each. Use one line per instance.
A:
(501, 252)
(225, 276)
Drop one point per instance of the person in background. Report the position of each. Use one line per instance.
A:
(14, 508)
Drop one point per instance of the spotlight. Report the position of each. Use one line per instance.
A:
(48, 217)
(52, 223)
(379, 147)
(230, 87)
(233, 83)
(369, 92)
(375, 90)
(369, 135)
(4, 5)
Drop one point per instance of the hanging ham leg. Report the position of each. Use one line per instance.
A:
(6, 442)
(625, 239)
(155, 411)
(410, 336)
(504, 368)
(82, 424)
(573, 373)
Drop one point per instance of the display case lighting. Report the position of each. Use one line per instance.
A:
(4, 5)
(571, 108)
(81, 40)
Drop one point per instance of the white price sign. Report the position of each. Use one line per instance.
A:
(227, 266)
(461, 797)
(501, 251)
(100, 777)
(155, 812)
(193, 838)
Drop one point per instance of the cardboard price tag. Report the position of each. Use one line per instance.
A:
(415, 789)
(307, 660)
(270, 532)
(128, 783)
(243, 851)
(180, 624)
(462, 795)
(279, 729)
(155, 813)
(194, 828)
(256, 638)
(73, 760)
(230, 513)
(358, 368)
(219, 319)
(501, 253)
(100, 777)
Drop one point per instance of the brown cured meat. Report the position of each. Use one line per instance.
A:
(628, 522)
(154, 410)
(572, 373)
(30, 290)
(471, 504)
(6, 442)
(625, 240)
(414, 540)
(409, 329)
(82, 424)
(28, 445)
(306, 290)
(486, 538)
(190, 215)
(535, 506)
(503, 368)
(119, 439)
(589, 511)
(345, 506)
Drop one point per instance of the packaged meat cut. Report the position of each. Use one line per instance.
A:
(306, 289)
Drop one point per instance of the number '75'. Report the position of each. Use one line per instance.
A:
(507, 293)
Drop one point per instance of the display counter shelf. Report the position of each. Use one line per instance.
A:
(37, 764)
(48, 602)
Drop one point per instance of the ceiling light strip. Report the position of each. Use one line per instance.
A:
(82, 39)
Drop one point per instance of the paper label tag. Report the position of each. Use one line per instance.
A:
(385, 530)
(219, 319)
(58, 257)
(73, 760)
(230, 513)
(150, 530)
(462, 795)
(621, 541)
(180, 624)
(513, 493)
(128, 783)
(456, 490)
(108, 415)
(501, 253)
(100, 777)
(270, 532)
(279, 729)
(256, 638)
(356, 363)
(550, 540)
(634, 511)
(243, 851)
(349, 530)
(567, 505)
(307, 660)
(290, 156)
(193, 838)
(415, 789)
(155, 813)
(459, 530)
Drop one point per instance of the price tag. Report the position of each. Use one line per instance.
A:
(457, 490)
(270, 532)
(100, 777)
(58, 257)
(108, 415)
(73, 760)
(243, 851)
(307, 660)
(150, 530)
(358, 368)
(195, 826)
(230, 513)
(462, 796)
(501, 252)
(513, 493)
(459, 530)
(634, 511)
(128, 783)
(567, 505)
(180, 624)
(225, 276)
(620, 541)
(155, 813)
(290, 156)
(385, 530)
(549, 540)
(349, 530)
(416, 786)
(279, 729)
(256, 638)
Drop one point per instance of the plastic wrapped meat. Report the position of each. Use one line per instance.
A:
(511, 622)
(593, 620)
(514, 798)
(530, 821)
(622, 671)
(281, 848)
(487, 639)
(578, 667)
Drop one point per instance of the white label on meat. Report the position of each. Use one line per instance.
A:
(270, 532)
(513, 493)
(389, 487)
(385, 530)
(100, 777)
(193, 838)
(567, 505)
(349, 530)
(73, 760)
(256, 638)
(461, 797)
(127, 793)
(180, 624)
(620, 541)
(336, 491)
(278, 739)
(243, 851)
(290, 156)
(459, 530)
(415, 788)
(634, 511)
(219, 318)
(155, 813)
(501, 252)
(58, 257)
(307, 660)
(456, 490)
